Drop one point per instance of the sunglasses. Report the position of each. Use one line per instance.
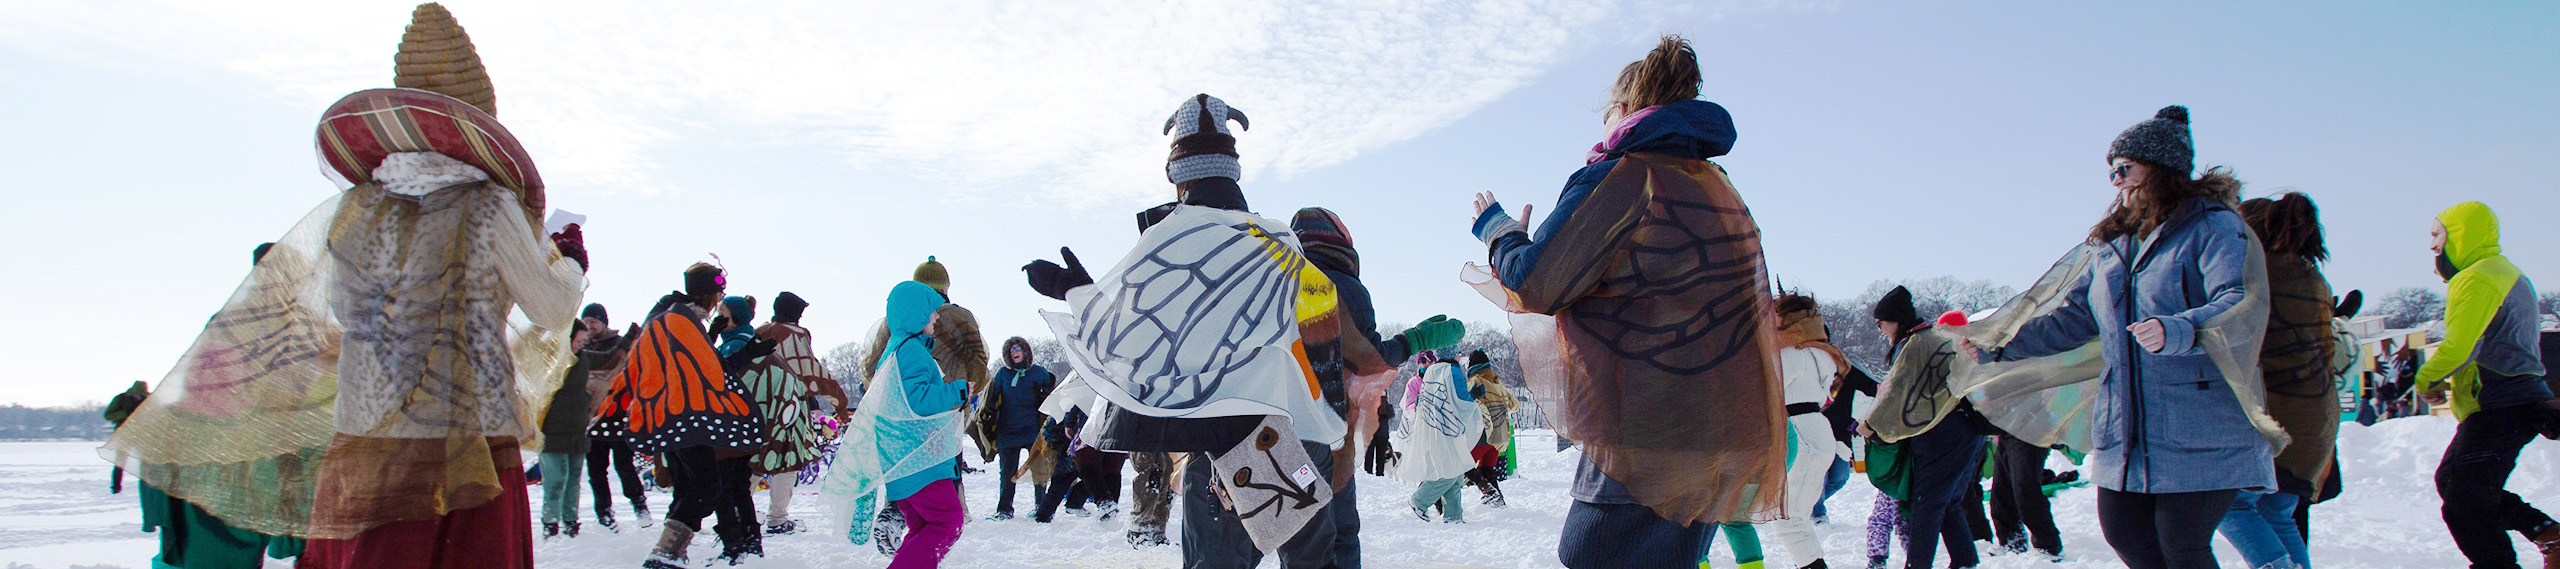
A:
(2120, 172)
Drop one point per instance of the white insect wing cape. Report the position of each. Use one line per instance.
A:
(885, 441)
(1199, 321)
(1438, 433)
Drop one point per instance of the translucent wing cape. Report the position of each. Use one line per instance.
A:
(2046, 400)
(1437, 433)
(885, 441)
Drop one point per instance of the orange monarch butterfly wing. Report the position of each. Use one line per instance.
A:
(682, 399)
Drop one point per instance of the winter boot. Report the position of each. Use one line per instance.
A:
(1423, 514)
(889, 530)
(1878, 562)
(1106, 510)
(733, 543)
(570, 526)
(604, 518)
(1001, 515)
(550, 530)
(1146, 536)
(783, 527)
(640, 510)
(670, 552)
(1816, 564)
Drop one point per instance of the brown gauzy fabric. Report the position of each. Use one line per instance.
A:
(1661, 356)
(2301, 394)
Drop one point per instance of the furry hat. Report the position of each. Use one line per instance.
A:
(1202, 147)
(1896, 307)
(2162, 141)
(932, 274)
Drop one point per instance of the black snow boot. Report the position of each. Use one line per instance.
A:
(550, 530)
(570, 527)
(604, 518)
(1817, 564)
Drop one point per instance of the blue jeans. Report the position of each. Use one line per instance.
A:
(560, 485)
(2261, 527)
(1832, 482)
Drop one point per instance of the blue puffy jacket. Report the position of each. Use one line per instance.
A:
(2164, 422)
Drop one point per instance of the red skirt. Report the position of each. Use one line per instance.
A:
(495, 535)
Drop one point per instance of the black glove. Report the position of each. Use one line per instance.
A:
(757, 348)
(1053, 281)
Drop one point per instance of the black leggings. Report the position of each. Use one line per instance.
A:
(2163, 531)
(2472, 480)
(707, 485)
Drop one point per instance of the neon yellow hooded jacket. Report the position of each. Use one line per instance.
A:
(2490, 320)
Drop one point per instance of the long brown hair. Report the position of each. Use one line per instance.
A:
(2162, 191)
(2289, 225)
(1668, 74)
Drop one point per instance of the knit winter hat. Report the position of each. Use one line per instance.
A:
(2162, 141)
(742, 309)
(787, 307)
(1202, 147)
(1322, 235)
(705, 278)
(1896, 307)
(595, 311)
(933, 275)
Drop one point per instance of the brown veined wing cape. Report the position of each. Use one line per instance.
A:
(1645, 332)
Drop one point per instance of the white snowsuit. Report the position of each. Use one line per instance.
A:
(1806, 375)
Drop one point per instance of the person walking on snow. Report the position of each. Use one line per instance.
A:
(1496, 402)
(908, 433)
(780, 384)
(675, 400)
(1012, 410)
(608, 455)
(2301, 387)
(1442, 428)
(2490, 369)
(1810, 365)
(2175, 295)
(1651, 269)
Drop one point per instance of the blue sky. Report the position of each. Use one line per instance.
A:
(826, 148)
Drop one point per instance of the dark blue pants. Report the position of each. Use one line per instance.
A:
(1630, 536)
(1948, 459)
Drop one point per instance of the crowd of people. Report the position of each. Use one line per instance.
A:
(366, 400)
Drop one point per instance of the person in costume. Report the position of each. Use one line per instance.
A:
(191, 537)
(1943, 460)
(735, 340)
(2302, 395)
(780, 384)
(902, 446)
(1012, 410)
(2175, 297)
(1443, 426)
(1151, 497)
(1245, 347)
(958, 347)
(1810, 365)
(1894, 315)
(1496, 403)
(1355, 366)
(1381, 451)
(677, 403)
(1669, 381)
(2489, 368)
(607, 454)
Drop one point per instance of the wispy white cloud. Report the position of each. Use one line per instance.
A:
(1058, 98)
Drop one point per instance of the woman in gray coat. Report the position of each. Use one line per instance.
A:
(2173, 441)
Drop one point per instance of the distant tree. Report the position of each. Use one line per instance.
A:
(1853, 326)
(2411, 306)
(2551, 302)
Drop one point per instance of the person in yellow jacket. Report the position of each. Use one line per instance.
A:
(2491, 362)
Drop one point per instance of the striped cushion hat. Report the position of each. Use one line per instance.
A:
(359, 131)
(1202, 147)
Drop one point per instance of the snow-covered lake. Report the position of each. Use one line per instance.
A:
(55, 513)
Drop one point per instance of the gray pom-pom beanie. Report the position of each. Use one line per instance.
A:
(2162, 141)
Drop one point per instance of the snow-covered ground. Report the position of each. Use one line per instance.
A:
(55, 513)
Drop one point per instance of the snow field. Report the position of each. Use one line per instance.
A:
(55, 513)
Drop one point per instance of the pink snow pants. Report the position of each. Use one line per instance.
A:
(933, 525)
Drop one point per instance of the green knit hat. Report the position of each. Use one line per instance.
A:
(932, 274)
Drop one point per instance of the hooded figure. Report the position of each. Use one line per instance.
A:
(1442, 425)
(2491, 359)
(1009, 418)
(901, 448)
(438, 209)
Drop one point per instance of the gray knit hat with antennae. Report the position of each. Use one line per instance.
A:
(1202, 147)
